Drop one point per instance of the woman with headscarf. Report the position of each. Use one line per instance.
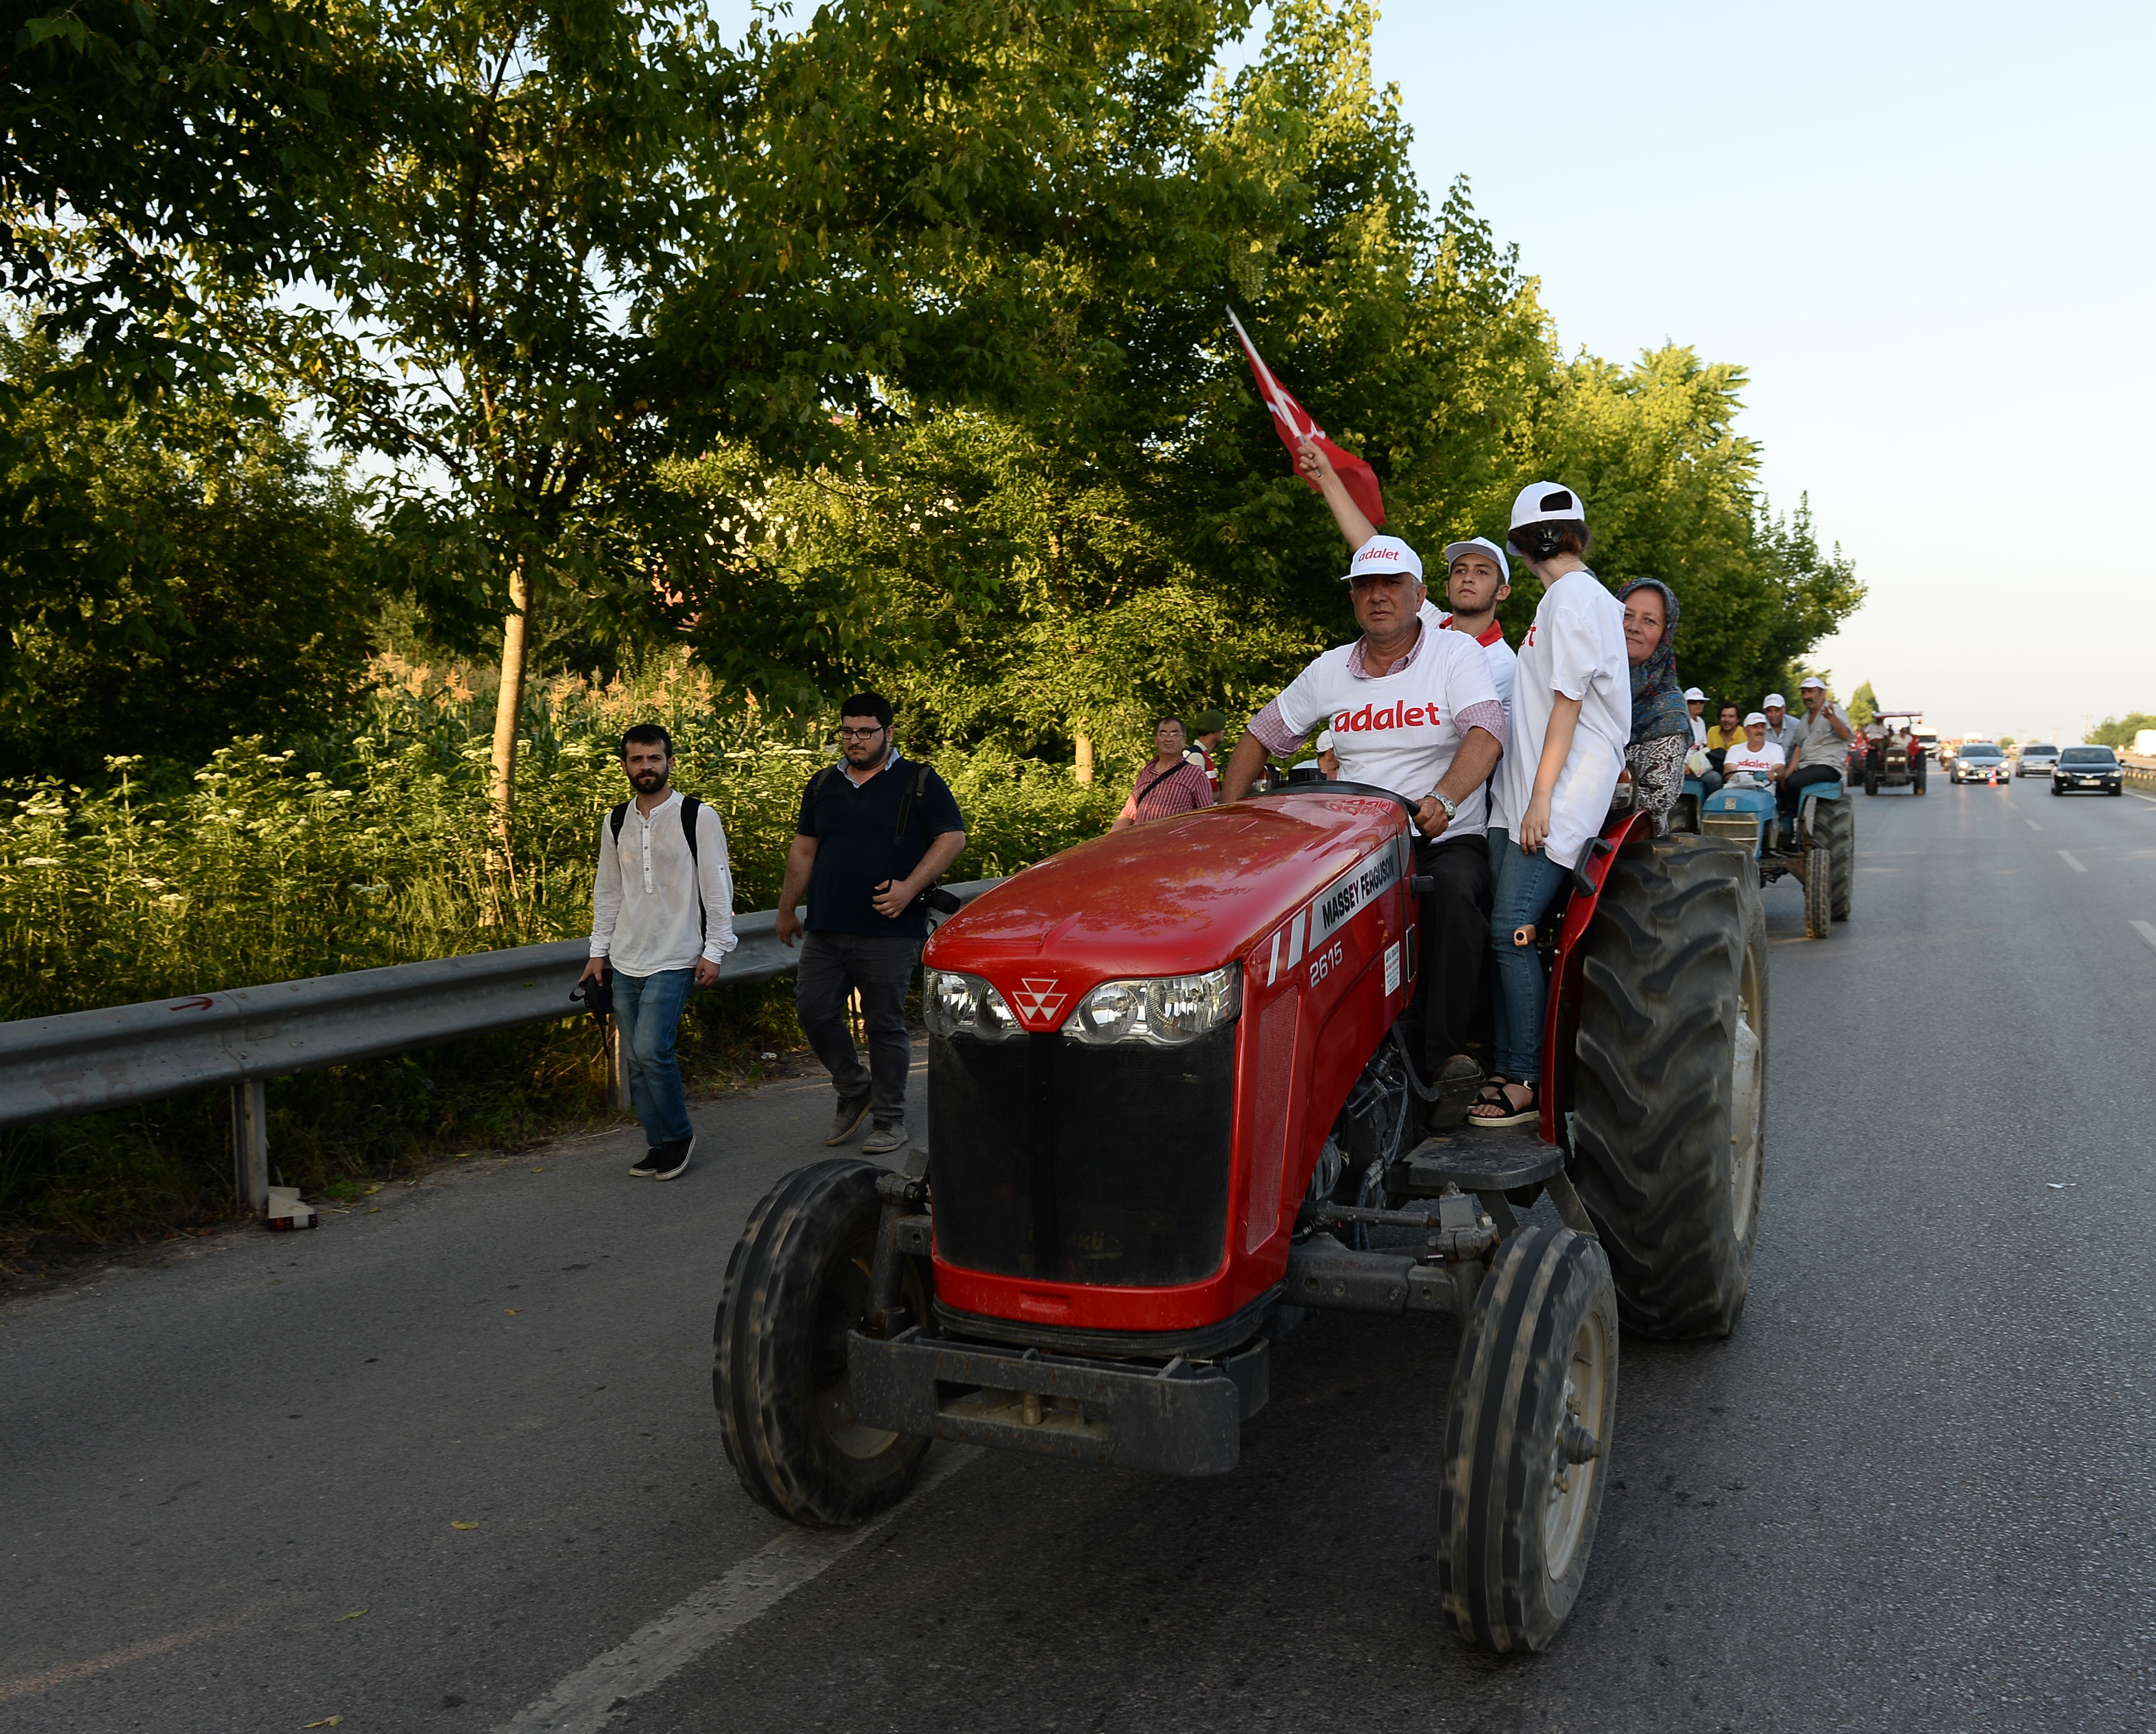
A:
(1661, 725)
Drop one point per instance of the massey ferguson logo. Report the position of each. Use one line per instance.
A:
(1037, 1000)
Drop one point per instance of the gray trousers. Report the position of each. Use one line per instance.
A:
(832, 965)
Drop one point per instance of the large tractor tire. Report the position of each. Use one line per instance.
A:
(1671, 1099)
(797, 1286)
(1834, 822)
(1818, 892)
(1919, 774)
(1871, 776)
(1527, 1438)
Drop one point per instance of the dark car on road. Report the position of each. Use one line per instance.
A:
(1977, 761)
(2088, 768)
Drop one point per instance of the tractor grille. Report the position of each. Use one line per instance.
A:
(1054, 1159)
(1732, 827)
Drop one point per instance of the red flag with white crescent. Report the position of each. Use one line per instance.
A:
(1295, 424)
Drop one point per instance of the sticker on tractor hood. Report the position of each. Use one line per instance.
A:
(1335, 907)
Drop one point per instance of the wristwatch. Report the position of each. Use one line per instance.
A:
(1450, 806)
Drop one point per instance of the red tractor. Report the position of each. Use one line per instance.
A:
(1170, 1115)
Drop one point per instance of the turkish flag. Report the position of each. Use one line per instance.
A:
(1295, 424)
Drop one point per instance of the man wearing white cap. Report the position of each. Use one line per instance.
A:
(1781, 727)
(1755, 755)
(1696, 709)
(1412, 709)
(1821, 751)
(1476, 579)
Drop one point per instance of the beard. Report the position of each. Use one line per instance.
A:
(647, 781)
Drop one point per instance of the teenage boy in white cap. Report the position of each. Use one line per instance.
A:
(1821, 752)
(1781, 730)
(1413, 710)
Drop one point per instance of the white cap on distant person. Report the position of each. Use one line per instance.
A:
(1775, 702)
(1547, 503)
(1757, 716)
(1478, 545)
(1693, 695)
(1811, 681)
(1385, 553)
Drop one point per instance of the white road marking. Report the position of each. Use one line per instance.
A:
(2147, 932)
(2032, 824)
(2071, 862)
(596, 1694)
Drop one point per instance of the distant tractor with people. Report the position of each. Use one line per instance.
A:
(1894, 755)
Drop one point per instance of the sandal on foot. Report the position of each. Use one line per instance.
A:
(1509, 1115)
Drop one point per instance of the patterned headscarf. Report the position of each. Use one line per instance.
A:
(1658, 701)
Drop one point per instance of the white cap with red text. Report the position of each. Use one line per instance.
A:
(1811, 681)
(1757, 716)
(1385, 553)
(1694, 695)
(1775, 702)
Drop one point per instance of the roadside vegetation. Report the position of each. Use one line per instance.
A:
(396, 401)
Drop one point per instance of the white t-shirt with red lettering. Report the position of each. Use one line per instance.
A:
(1576, 647)
(1504, 662)
(1762, 763)
(1396, 731)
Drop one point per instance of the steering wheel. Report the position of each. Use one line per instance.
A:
(1369, 789)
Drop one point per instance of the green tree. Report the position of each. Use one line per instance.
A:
(1863, 704)
(231, 594)
(2120, 731)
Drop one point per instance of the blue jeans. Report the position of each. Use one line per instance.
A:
(1523, 887)
(648, 1009)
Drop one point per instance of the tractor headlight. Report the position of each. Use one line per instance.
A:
(953, 1001)
(1165, 1010)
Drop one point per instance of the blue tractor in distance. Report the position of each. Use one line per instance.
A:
(1821, 852)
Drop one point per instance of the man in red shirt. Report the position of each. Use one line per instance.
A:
(1170, 784)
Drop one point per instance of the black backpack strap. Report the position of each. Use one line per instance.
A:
(615, 818)
(905, 801)
(690, 807)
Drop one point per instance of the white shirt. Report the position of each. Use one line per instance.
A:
(1769, 759)
(1397, 731)
(1576, 647)
(643, 895)
(1504, 662)
(1699, 731)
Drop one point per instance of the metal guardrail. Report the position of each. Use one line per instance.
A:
(89, 1062)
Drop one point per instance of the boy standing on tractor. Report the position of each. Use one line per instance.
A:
(1415, 710)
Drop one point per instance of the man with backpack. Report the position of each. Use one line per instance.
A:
(663, 916)
(875, 832)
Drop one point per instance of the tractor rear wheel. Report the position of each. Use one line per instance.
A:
(797, 1286)
(1671, 1097)
(1527, 1439)
(1819, 891)
(1834, 822)
(1871, 776)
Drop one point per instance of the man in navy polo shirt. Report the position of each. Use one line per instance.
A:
(875, 832)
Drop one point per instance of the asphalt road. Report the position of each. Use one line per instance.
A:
(1916, 1490)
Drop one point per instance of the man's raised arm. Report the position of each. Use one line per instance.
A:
(1310, 458)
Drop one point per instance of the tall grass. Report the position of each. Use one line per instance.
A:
(300, 858)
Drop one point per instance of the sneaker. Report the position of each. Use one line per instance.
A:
(646, 1165)
(672, 1157)
(853, 1110)
(884, 1139)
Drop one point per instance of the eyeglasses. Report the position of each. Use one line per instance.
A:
(860, 734)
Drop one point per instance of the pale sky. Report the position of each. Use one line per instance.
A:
(1924, 230)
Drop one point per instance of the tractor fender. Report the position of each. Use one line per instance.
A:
(1561, 1011)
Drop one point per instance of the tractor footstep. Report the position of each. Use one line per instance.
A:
(1523, 1160)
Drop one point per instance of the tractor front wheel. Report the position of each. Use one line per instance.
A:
(1671, 1097)
(1818, 892)
(796, 1287)
(1527, 1441)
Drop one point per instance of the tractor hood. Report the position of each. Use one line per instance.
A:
(1176, 896)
